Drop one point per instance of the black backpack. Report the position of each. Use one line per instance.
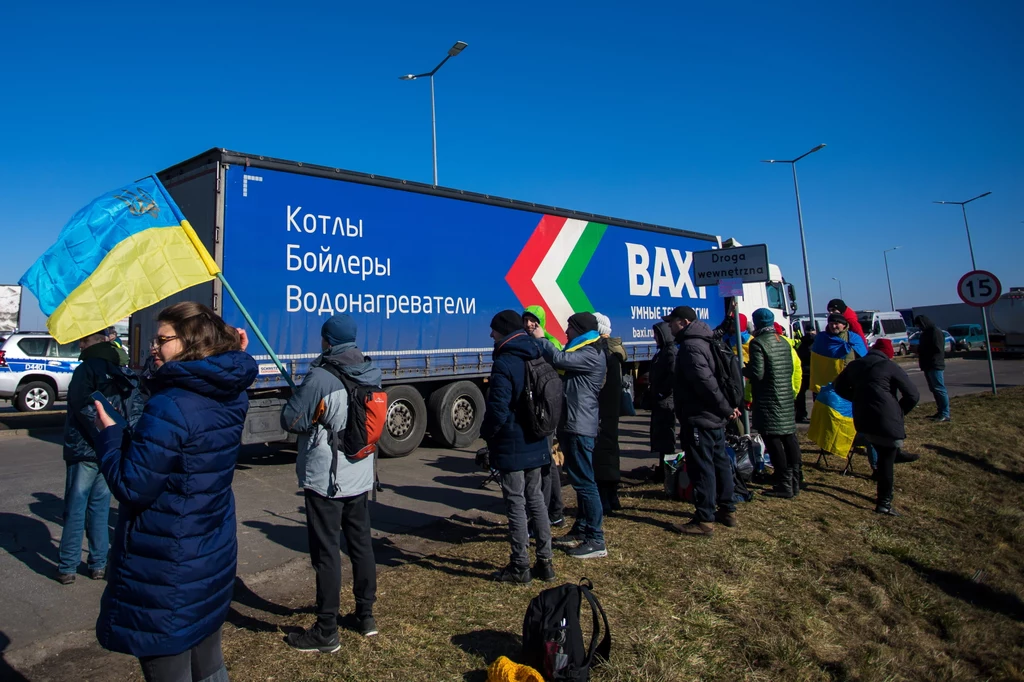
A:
(727, 372)
(541, 399)
(553, 639)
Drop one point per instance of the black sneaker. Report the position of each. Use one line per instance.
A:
(557, 522)
(940, 418)
(364, 625)
(591, 549)
(513, 574)
(543, 570)
(314, 640)
(66, 578)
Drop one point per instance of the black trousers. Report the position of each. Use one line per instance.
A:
(801, 398)
(551, 489)
(785, 454)
(326, 520)
(886, 459)
(202, 663)
(710, 471)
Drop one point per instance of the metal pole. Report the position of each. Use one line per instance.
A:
(256, 330)
(984, 311)
(433, 125)
(885, 255)
(803, 245)
(739, 358)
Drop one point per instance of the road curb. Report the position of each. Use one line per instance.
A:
(28, 433)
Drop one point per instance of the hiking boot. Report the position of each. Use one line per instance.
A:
(726, 518)
(514, 574)
(796, 480)
(364, 625)
(694, 527)
(66, 578)
(887, 509)
(98, 574)
(544, 570)
(314, 640)
(590, 549)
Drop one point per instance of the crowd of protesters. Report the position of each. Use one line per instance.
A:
(174, 433)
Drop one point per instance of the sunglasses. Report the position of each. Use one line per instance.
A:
(159, 341)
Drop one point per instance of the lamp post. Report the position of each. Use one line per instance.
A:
(800, 219)
(885, 255)
(454, 51)
(836, 279)
(974, 266)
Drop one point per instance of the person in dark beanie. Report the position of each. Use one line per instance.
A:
(771, 377)
(703, 412)
(519, 458)
(931, 358)
(660, 382)
(584, 369)
(336, 489)
(872, 384)
(838, 306)
(607, 471)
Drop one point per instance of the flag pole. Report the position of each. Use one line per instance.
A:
(256, 330)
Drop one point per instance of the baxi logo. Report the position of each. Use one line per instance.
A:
(139, 202)
(547, 271)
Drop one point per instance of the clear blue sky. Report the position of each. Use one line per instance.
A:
(650, 111)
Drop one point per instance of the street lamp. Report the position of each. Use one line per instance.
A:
(454, 51)
(800, 219)
(836, 279)
(885, 255)
(974, 266)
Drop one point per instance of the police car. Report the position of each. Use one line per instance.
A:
(35, 370)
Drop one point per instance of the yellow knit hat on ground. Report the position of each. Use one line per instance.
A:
(506, 670)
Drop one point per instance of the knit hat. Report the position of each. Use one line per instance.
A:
(582, 323)
(506, 322)
(838, 304)
(682, 313)
(884, 345)
(339, 329)
(779, 329)
(836, 317)
(762, 318)
(604, 325)
(505, 670)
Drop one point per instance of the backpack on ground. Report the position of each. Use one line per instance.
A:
(553, 639)
(727, 373)
(367, 414)
(541, 399)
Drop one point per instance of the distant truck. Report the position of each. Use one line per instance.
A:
(422, 269)
(1006, 323)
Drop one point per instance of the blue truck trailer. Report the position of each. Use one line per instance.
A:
(422, 269)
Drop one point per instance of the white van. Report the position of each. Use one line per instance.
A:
(890, 326)
(802, 324)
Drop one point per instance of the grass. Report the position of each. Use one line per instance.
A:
(817, 588)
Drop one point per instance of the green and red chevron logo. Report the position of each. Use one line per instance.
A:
(549, 268)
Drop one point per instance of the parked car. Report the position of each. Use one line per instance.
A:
(950, 342)
(890, 325)
(968, 336)
(35, 370)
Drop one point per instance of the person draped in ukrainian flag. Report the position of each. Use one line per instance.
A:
(832, 417)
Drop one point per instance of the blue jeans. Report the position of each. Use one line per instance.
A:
(872, 454)
(579, 465)
(938, 388)
(86, 507)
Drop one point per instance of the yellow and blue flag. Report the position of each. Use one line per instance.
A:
(832, 417)
(126, 250)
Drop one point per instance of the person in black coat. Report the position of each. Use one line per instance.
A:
(661, 378)
(607, 471)
(803, 351)
(931, 358)
(872, 384)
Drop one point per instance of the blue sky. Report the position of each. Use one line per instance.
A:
(649, 111)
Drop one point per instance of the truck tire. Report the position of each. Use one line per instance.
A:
(406, 422)
(36, 396)
(456, 411)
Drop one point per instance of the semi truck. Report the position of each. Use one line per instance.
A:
(422, 269)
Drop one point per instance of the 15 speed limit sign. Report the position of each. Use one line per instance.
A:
(979, 288)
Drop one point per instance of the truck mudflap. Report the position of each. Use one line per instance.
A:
(263, 422)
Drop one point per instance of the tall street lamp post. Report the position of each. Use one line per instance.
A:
(836, 279)
(885, 255)
(455, 50)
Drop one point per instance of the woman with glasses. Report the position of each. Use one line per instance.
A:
(175, 551)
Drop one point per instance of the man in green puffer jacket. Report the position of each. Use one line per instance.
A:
(770, 370)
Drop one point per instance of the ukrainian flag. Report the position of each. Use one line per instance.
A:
(126, 250)
(832, 417)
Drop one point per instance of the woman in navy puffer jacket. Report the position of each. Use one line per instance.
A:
(174, 556)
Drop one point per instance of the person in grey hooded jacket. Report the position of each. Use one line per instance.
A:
(583, 369)
(336, 500)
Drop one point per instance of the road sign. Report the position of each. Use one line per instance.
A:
(746, 263)
(979, 288)
(730, 287)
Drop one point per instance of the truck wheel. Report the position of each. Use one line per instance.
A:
(34, 397)
(406, 422)
(456, 412)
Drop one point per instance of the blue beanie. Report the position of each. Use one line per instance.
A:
(763, 318)
(339, 329)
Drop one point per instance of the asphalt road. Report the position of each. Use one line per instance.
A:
(427, 486)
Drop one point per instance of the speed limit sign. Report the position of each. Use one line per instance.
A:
(979, 288)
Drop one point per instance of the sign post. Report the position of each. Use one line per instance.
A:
(729, 269)
(981, 289)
